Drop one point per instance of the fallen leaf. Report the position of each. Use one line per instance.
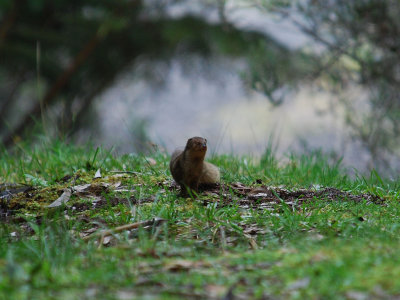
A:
(125, 295)
(151, 161)
(215, 291)
(98, 174)
(239, 185)
(252, 242)
(91, 292)
(143, 281)
(299, 284)
(258, 190)
(116, 184)
(62, 199)
(123, 190)
(182, 265)
(87, 232)
(317, 237)
(107, 240)
(260, 195)
(81, 188)
(356, 295)
(318, 257)
(94, 199)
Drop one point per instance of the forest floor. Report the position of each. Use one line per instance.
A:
(81, 223)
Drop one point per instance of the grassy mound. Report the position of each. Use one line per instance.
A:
(80, 222)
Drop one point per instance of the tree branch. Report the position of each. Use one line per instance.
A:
(62, 80)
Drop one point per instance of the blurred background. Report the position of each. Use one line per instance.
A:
(290, 76)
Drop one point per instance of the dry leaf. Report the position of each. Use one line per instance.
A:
(81, 188)
(107, 240)
(116, 184)
(299, 284)
(182, 265)
(98, 174)
(151, 161)
(239, 185)
(356, 295)
(123, 190)
(215, 291)
(62, 199)
(87, 232)
(126, 294)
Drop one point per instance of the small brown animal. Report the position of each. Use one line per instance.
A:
(189, 168)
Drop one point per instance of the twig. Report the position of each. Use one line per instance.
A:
(104, 233)
(252, 241)
(223, 237)
(125, 172)
(156, 233)
(277, 196)
(60, 83)
(101, 242)
(8, 22)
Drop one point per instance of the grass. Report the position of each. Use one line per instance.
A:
(321, 249)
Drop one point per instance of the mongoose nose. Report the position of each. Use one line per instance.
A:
(204, 145)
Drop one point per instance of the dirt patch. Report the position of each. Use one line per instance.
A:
(8, 192)
(20, 199)
(264, 196)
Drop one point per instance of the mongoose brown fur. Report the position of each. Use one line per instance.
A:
(188, 167)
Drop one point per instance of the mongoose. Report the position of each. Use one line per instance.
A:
(189, 168)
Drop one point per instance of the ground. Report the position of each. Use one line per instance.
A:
(297, 228)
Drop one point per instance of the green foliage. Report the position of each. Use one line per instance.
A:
(76, 49)
(358, 47)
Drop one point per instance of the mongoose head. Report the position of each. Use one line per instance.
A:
(197, 146)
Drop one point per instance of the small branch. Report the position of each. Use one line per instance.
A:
(223, 237)
(104, 233)
(60, 83)
(125, 172)
(252, 242)
(9, 21)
